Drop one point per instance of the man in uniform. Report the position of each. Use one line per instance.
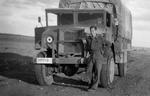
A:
(95, 48)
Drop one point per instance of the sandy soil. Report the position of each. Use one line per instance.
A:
(17, 76)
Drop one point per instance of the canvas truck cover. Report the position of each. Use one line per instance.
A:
(123, 14)
(84, 4)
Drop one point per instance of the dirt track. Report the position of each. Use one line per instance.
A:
(17, 78)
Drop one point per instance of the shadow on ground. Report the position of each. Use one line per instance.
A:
(19, 67)
(70, 82)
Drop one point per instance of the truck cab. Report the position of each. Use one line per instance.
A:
(78, 19)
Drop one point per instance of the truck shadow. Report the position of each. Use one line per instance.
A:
(16, 66)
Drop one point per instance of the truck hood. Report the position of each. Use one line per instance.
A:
(69, 27)
(63, 33)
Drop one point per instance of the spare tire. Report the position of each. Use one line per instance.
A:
(70, 70)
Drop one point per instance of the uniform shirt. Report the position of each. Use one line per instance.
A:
(98, 46)
(95, 45)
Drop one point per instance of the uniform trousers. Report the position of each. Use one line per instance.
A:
(94, 69)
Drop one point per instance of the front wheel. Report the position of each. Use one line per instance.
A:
(107, 73)
(43, 72)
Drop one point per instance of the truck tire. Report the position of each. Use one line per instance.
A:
(122, 69)
(107, 73)
(43, 72)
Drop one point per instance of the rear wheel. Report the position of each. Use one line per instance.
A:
(122, 69)
(43, 72)
(107, 73)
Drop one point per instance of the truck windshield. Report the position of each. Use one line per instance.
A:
(66, 19)
(90, 18)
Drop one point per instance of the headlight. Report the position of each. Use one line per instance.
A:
(49, 39)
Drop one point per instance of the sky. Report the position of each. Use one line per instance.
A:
(20, 17)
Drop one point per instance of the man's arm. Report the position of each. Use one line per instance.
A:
(107, 48)
(88, 45)
(107, 43)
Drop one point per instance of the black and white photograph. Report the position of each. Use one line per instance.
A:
(74, 48)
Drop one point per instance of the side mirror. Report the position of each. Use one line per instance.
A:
(39, 19)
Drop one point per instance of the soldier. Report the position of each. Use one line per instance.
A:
(95, 48)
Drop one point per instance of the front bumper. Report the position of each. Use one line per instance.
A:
(73, 60)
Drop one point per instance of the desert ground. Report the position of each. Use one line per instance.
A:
(17, 76)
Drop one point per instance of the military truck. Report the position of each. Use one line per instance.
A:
(62, 48)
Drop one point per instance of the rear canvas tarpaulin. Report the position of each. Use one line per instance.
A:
(85, 4)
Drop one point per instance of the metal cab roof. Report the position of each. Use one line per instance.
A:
(68, 10)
